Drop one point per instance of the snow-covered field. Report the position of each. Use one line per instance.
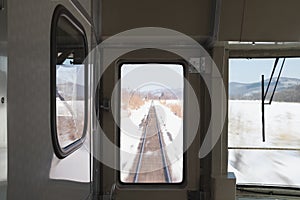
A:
(270, 167)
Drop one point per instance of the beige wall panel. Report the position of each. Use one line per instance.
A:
(271, 20)
(231, 20)
(191, 17)
(260, 20)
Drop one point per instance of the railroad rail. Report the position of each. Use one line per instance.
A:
(141, 157)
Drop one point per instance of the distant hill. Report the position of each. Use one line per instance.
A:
(163, 93)
(288, 89)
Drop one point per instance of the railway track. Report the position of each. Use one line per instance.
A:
(151, 164)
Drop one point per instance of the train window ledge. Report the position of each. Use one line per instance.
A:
(69, 93)
(258, 190)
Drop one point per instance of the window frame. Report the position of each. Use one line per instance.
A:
(62, 152)
(181, 184)
(241, 51)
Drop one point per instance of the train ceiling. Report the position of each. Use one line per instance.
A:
(224, 20)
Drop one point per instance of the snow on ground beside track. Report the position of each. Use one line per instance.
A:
(172, 131)
(174, 102)
(282, 130)
(282, 124)
(137, 115)
(131, 133)
(265, 167)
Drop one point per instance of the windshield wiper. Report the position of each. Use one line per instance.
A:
(264, 94)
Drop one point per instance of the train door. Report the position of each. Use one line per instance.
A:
(49, 100)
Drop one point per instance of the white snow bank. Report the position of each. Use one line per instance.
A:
(174, 101)
(282, 130)
(172, 131)
(265, 167)
(282, 124)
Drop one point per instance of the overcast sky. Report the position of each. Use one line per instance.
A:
(151, 76)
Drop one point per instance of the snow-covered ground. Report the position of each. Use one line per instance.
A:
(173, 101)
(172, 131)
(131, 133)
(282, 130)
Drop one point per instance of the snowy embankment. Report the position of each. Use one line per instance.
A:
(282, 124)
(172, 131)
(282, 130)
(131, 133)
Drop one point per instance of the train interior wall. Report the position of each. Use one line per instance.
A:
(211, 23)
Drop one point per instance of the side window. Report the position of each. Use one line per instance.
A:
(275, 161)
(68, 83)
